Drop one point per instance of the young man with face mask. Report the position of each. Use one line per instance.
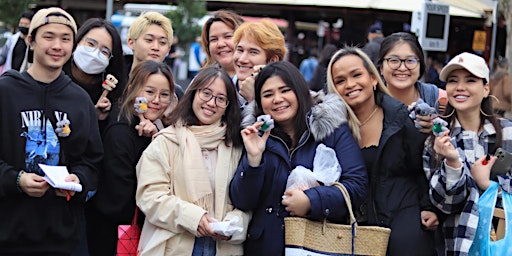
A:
(46, 119)
(15, 50)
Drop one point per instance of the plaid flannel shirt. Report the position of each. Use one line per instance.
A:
(459, 200)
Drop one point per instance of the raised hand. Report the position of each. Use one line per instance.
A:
(254, 144)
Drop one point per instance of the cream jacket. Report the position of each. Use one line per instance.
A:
(171, 223)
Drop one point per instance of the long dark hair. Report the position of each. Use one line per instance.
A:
(292, 77)
(116, 63)
(183, 113)
(486, 113)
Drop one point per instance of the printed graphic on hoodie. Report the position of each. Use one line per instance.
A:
(42, 144)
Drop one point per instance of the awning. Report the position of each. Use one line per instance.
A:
(462, 8)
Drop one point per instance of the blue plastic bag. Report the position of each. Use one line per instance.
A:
(482, 244)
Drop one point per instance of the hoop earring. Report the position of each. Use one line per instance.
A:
(483, 113)
(453, 111)
(494, 98)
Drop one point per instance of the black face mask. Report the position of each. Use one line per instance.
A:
(23, 30)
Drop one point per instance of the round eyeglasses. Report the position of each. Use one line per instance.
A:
(395, 63)
(206, 95)
(92, 43)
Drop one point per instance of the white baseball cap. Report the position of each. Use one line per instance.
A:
(473, 63)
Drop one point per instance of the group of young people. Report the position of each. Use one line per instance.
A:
(203, 158)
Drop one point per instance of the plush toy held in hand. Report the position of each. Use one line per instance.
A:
(439, 127)
(141, 105)
(268, 122)
(420, 108)
(108, 85)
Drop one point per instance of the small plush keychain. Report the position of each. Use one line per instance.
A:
(439, 126)
(268, 122)
(141, 106)
(63, 129)
(420, 108)
(108, 85)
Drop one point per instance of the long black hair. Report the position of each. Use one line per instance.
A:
(292, 77)
(116, 63)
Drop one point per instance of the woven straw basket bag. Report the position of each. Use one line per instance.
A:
(329, 238)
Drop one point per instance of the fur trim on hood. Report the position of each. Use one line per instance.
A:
(327, 114)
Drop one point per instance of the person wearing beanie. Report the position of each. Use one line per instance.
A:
(458, 162)
(46, 119)
(375, 37)
(15, 49)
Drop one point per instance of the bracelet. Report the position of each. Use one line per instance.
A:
(18, 180)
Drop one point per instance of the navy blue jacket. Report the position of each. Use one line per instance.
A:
(260, 189)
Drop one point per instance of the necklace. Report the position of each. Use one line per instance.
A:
(369, 117)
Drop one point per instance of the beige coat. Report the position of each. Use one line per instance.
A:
(171, 223)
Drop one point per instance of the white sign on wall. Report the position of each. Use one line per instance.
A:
(431, 25)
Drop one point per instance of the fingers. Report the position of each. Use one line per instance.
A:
(104, 104)
(33, 184)
(146, 128)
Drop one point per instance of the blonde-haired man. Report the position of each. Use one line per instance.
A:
(150, 37)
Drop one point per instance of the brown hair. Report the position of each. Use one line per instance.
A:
(230, 18)
(138, 78)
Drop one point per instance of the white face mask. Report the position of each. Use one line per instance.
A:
(90, 60)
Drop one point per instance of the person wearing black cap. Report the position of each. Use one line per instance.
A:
(375, 37)
(14, 51)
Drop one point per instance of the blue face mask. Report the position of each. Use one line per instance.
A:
(90, 60)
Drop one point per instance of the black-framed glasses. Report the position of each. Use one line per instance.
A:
(206, 95)
(395, 63)
(94, 44)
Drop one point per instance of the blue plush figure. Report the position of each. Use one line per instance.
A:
(420, 108)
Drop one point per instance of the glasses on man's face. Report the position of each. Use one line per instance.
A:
(206, 95)
(93, 44)
(164, 96)
(395, 63)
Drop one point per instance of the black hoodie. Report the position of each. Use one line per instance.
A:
(29, 116)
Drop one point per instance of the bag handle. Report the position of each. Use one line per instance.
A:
(346, 195)
(353, 222)
(135, 216)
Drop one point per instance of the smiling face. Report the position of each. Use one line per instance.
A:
(279, 101)
(402, 77)
(207, 112)
(465, 91)
(221, 44)
(353, 81)
(52, 47)
(152, 44)
(247, 55)
(158, 93)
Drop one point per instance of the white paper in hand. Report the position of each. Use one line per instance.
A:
(55, 176)
(226, 228)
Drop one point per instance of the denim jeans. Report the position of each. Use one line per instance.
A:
(204, 246)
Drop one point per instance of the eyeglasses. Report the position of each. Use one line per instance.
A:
(164, 96)
(207, 95)
(93, 44)
(395, 63)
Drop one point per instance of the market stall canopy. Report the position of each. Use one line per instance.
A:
(462, 8)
